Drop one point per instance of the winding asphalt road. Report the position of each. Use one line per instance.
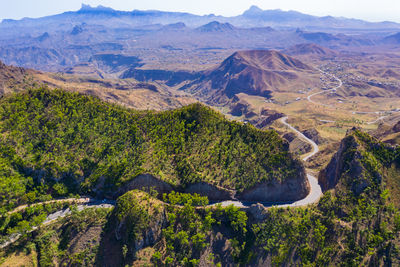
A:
(313, 196)
(87, 203)
(315, 189)
(302, 136)
(325, 91)
(352, 111)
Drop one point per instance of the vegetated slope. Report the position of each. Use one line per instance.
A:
(365, 176)
(140, 231)
(182, 232)
(71, 241)
(55, 139)
(89, 80)
(357, 222)
(254, 72)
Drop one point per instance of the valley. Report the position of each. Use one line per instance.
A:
(155, 138)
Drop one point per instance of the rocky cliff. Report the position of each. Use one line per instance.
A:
(359, 161)
(290, 190)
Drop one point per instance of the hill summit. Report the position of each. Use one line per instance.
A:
(310, 49)
(216, 26)
(267, 60)
(254, 72)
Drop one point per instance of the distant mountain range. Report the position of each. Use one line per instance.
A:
(253, 17)
(179, 40)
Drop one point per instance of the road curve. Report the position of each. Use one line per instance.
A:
(302, 136)
(379, 119)
(313, 196)
(315, 189)
(352, 111)
(325, 91)
(58, 214)
(66, 200)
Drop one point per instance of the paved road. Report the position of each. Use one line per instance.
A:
(302, 136)
(68, 200)
(379, 119)
(315, 189)
(60, 214)
(313, 196)
(352, 111)
(325, 91)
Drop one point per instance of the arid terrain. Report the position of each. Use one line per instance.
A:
(118, 127)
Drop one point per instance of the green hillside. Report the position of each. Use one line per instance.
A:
(58, 143)
(356, 223)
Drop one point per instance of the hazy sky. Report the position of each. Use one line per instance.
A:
(372, 10)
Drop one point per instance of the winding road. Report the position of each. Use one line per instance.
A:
(313, 196)
(325, 91)
(315, 189)
(86, 203)
(351, 111)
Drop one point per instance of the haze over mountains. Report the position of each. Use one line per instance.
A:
(62, 41)
(253, 17)
(128, 114)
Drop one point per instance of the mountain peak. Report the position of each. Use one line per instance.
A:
(310, 49)
(253, 10)
(268, 60)
(216, 26)
(85, 7)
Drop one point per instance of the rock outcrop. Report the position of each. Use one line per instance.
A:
(240, 108)
(314, 135)
(214, 193)
(296, 144)
(329, 177)
(290, 190)
(146, 182)
(267, 117)
(354, 162)
(258, 212)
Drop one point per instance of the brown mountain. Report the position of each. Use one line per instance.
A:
(254, 72)
(392, 39)
(12, 78)
(88, 80)
(310, 49)
(388, 132)
(389, 73)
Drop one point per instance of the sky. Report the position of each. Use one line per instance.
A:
(371, 10)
